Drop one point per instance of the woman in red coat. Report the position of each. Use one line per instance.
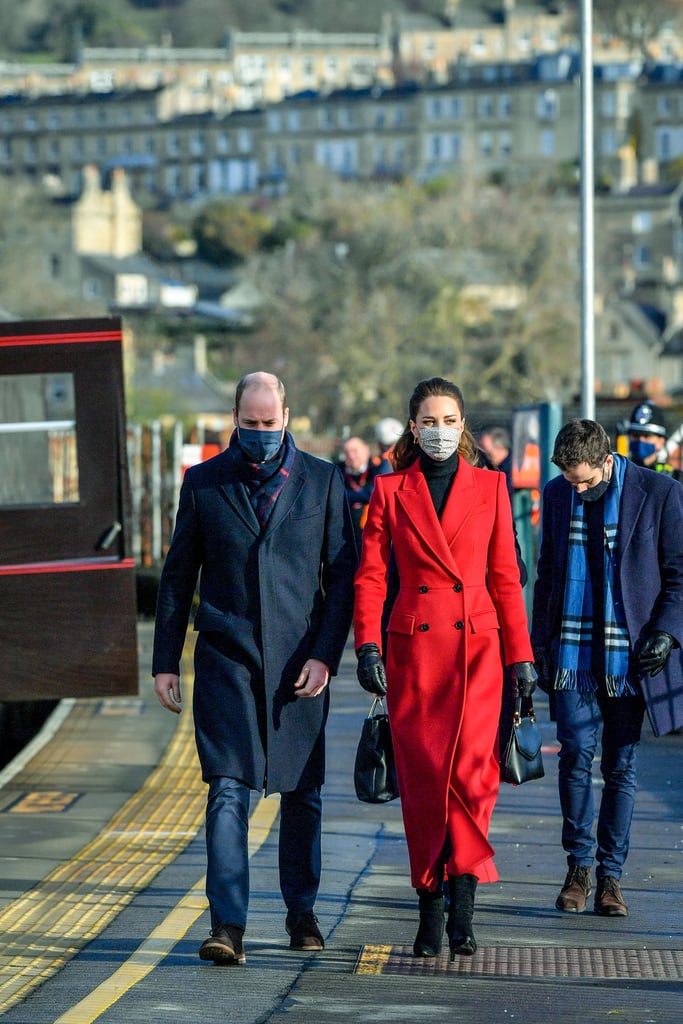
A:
(458, 619)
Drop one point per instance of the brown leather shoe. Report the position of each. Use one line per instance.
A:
(224, 946)
(608, 899)
(303, 931)
(575, 891)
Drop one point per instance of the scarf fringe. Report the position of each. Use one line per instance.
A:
(583, 681)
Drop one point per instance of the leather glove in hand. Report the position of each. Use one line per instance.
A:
(654, 652)
(370, 670)
(523, 675)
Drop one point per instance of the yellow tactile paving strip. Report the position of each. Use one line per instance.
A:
(73, 904)
(529, 962)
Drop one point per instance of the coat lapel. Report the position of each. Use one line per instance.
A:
(235, 493)
(632, 499)
(415, 499)
(460, 502)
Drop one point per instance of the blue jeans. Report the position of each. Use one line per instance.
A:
(579, 717)
(227, 850)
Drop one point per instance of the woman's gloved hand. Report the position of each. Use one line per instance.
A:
(370, 670)
(524, 676)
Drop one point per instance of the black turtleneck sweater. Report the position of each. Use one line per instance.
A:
(439, 477)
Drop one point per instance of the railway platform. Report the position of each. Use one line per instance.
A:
(102, 907)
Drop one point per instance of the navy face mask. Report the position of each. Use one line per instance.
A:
(259, 445)
(594, 493)
(640, 450)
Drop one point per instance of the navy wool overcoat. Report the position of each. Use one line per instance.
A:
(268, 601)
(650, 569)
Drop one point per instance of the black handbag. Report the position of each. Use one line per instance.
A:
(374, 772)
(522, 760)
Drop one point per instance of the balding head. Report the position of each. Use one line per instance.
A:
(262, 381)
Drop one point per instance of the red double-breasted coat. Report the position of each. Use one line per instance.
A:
(459, 617)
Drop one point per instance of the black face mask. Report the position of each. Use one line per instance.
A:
(594, 493)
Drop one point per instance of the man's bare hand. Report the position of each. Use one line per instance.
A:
(167, 689)
(313, 679)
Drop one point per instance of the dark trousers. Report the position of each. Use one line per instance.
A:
(227, 835)
(579, 720)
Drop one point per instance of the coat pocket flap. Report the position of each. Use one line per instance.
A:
(486, 619)
(400, 622)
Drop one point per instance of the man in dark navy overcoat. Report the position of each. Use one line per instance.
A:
(267, 530)
(607, 631)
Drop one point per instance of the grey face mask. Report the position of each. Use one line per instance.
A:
(439, 443)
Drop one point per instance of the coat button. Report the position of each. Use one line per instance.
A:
(459, 624)
(457, 587)
(423, 627)
(424, 590)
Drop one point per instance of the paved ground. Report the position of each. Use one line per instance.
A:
(533, 965)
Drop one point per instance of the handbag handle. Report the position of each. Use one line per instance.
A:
(382, 710)
(517, 714)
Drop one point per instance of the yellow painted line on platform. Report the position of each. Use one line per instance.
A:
(166, 935)
(46, 926)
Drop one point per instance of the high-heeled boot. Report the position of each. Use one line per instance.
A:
(430, 932)
(460, 913)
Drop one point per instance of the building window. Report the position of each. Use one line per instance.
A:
(485, 145)
(326, 118)
(244, 141)
(547, 105)
(665, 106)
(30, 122)
(308, 69)
(456, 146)
(608, 104)
(641, 223)
(641, 256)
(399, 117)
(345, 117)
(608, 142)
(456, 107)
(222, 142)
(197, 143)
(485, 106)
(434, 109)
(294, 120)
(505, 106)
(172, 144)
(5, 149)
(92, 288)
(505, 145)
(548, 142)
(429, 49)
(331, 67)
(273, 121)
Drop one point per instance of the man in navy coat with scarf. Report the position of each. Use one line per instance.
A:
(267, 530)
(607, 631)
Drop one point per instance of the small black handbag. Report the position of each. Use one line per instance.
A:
(522, 760)
(374, 773)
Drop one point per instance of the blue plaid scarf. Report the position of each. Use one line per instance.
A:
(265, 480)
(574, 670)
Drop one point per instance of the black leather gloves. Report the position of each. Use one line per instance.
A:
(370, 670)
(654, 652)
(523, 675)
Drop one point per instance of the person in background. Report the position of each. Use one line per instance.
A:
(647, 434)
(387, 432)
(495, 441)
(457, 620)
(360, 472)
(606, 631)
(267, 530)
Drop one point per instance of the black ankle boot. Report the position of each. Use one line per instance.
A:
(430, 933)
(460, 912)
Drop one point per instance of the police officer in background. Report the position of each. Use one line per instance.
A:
(647, 435)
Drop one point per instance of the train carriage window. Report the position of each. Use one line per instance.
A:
(38, 434)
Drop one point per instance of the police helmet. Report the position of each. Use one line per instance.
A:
(646, 418)
(388, 430)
